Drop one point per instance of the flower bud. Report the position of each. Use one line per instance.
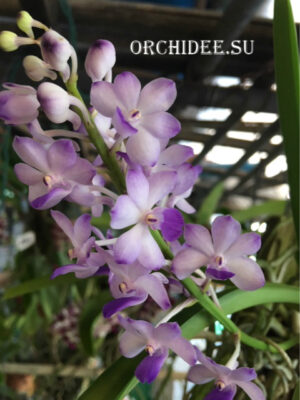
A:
(55, 103)
(36, 69)
(9, 41)
(56, 51)
(100, 59)
(18, 104)
(25, 23)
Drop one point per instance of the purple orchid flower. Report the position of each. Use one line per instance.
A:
(53, 174)
(93, 265)
(226, 379)
(100, 59)
(79, 234)
(18, 104)
(130, 285)
(141, 335)
(139, 115)
(224, 252)
(136, 209)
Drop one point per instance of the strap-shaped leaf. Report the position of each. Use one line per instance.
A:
(288, 93)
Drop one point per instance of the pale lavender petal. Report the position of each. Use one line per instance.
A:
(161, 124)
(252, 390)
(161, 184)
(128, 246)
(120, 304)
(138, 328)
(81, 195)
(175, 155)
(187, 261)
(137, 187)
(143, 148)
(226, 394)
(103, 98)
(149, 368)
(155, 289)
(199, 238)
(225, 230)
(36, 190)
(31, 153)
(221, 274)
(61, 156)
(122, 126)
(82, 228)
(150, 255)
(184, 206)
(131, 345)
(248, 274)
(172, 225)
(63, 222)
(246, 244)
(50, 199)
(157, 95)
(184, 349)
(81, 172)
(124, 213)
(127, 88)
(199, 374)
(27, 174)
(243, 374)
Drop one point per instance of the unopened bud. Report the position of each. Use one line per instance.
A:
(9, 41)
(36, 69)
(25, 23)
(100, 59)
(56, 51)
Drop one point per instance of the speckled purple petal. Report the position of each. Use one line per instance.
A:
(221, 274)
(149, 368)
(172, 225)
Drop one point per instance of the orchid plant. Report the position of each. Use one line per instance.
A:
(149, 246)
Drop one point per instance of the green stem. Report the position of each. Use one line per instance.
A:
(109, 160)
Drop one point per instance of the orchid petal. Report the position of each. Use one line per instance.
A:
(155, 289)
(103, 98)
(81, 172)
(128, 246)
(221, 274)
(31, 153)
(187, 261)
(225, 230)
(149, 367)
(248, 274)
(175, 155)
(50, 199)
(246, 244)
(161, 124)
(61, 155)
(172, 225)
(124, 213)
(120, 304)
(199, 374)
(161, 184)
(252, 390)
(157, 95)
(127, 88)
(143, 148)
(226, 394)
(150, 255)
(199, 238)
(81, 271)
(243, 374)
(131, 345)
(137, 187)
(82, 228)
(27, 174)
(122, 126)
(63, 222)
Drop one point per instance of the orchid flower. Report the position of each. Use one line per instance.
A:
(136, 209)
(131, 284)
(225, 253)
(53, 174)
(141, 335)
(139, 115)
(226, 379)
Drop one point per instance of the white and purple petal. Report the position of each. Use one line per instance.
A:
(124, 213)
(157, 95)
(248, 274)
(225, 230)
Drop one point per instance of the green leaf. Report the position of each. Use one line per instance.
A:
(90, 312)
(287, 76)
(296, 394)
(117, 381)
(37, 284)
(210, 204)
(266, 209)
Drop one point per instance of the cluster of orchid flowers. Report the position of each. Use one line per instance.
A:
(135, 127)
